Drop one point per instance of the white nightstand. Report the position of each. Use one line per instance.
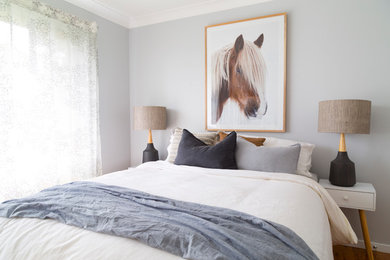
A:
(362, 196)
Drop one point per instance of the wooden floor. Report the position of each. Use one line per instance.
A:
(347, 253)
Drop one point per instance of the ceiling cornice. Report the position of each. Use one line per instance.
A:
(202, 7)
(129, 21)
(103, 10)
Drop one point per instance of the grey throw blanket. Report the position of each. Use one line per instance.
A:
(185, 229)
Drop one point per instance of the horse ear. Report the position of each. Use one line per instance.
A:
(259, 41)
(239, 44)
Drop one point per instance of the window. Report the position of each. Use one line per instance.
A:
(49, 127)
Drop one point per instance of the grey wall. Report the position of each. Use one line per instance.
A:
(113, 64)
(336, 49)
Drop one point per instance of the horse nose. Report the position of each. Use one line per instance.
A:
(251, 108)
(251, 112)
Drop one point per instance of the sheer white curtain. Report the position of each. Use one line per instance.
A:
(49, 129)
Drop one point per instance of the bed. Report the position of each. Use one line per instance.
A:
(294, 201)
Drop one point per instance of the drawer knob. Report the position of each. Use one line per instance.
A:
(345, 197)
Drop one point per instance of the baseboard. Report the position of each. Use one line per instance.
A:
(385, 248)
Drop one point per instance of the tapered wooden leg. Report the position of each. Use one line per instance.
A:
(366, 235)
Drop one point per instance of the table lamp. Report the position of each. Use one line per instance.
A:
(346, 116)
(151, 118)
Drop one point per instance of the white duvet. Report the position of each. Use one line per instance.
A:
(295, 201)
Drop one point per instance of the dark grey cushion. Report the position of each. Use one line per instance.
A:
(267, 159)
(194, 152)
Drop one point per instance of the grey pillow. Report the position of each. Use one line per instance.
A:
(267, 159)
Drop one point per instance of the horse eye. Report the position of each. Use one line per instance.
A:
(238, 70)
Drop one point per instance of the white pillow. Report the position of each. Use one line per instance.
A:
(304, 161)
(208, 138)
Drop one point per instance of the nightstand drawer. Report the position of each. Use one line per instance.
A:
(351, 199)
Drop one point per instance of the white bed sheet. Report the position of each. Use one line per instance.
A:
(297, 202)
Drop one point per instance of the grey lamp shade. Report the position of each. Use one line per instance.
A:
(150, 117)
(349, 116)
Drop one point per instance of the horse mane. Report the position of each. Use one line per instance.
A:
(252, 65)
(220, 73)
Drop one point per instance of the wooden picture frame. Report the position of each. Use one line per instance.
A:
(245, 64)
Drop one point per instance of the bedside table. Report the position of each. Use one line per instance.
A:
(362, 197)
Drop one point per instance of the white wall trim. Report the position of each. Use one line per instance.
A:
(122, 18)
(385, 248)
(202, 7)
(100, 9)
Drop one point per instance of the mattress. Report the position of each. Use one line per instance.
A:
(294, 201)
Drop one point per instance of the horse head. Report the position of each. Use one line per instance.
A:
(246, 76)
(238, 72)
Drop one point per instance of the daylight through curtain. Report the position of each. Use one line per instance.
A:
(49, 129)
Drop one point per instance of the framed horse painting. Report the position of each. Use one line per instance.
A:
(246, 75)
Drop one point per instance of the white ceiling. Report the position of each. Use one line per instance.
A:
(136, 13)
